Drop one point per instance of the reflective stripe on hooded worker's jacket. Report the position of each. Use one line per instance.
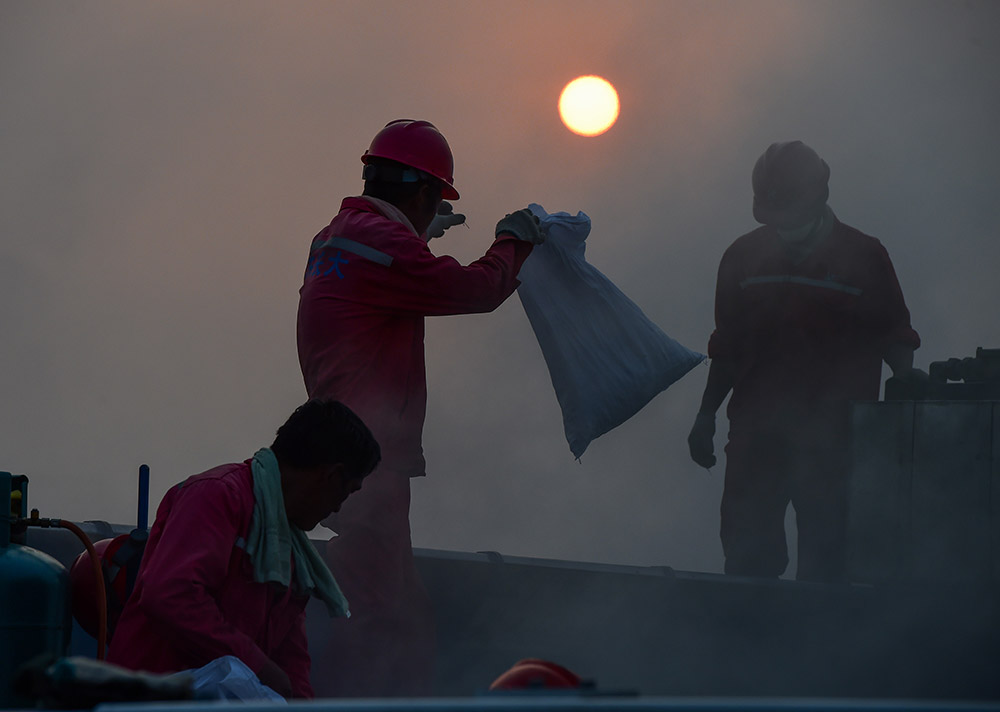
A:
(369, 283)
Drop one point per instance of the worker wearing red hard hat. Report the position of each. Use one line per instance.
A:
(806, 310)
(369, 282)
(418, 145)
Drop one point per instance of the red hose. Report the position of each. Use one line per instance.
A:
(102, 601)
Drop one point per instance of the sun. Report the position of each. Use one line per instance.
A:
(589, 105)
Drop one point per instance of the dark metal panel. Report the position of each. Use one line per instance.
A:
(712, 635)
(950, 529)
(572, 701)
(661, 632)
(879, 491)
(995, 492)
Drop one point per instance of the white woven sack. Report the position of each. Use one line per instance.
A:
(607, 360)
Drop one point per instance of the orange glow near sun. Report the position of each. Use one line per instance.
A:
(589, 105)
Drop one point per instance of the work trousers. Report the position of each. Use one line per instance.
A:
(386, 647)
(804, 463)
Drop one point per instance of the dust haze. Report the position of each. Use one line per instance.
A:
(165, 166)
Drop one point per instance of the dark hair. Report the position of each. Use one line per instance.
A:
(327, 432)
(384, 180)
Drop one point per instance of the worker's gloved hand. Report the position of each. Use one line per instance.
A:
(522, 224)
(701, 439)
(446, 217)
(275, 678)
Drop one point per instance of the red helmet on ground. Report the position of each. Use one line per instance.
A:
(532, 674)
(789, 185)
(417, 144)
(84, 590)
(120, 559)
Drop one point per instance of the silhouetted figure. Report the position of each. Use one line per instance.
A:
(228, 568)
(806, 310)
(370, 281)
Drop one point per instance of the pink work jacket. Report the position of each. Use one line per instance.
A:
(195, 598)
(369, 283)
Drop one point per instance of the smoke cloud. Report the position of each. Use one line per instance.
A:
(166, 165)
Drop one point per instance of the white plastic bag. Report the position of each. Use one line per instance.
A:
(228, 678)
(605, 357)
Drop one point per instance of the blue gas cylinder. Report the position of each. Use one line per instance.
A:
(34, 598)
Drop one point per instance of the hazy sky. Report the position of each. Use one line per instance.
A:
(166, 164)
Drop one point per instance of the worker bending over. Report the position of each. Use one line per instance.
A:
(228, 568)
(806, 310)
(369, 282)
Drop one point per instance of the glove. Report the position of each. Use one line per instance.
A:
(445, 218)
(522, 224)
(700, 441)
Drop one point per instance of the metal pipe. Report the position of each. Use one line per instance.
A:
(142, 521)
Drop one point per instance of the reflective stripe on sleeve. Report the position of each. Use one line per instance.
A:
(356, 248)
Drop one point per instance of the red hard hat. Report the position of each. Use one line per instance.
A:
(532, 673)
(789, 185)
(84, 590)
(417, 144)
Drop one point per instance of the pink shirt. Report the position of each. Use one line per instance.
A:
(369, 283)
(195, 598)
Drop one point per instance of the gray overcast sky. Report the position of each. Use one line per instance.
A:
(165, 165)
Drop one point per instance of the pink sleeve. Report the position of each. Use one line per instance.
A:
(189, 565)
(420, 283)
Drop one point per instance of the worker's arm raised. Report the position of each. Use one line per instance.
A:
(419, 283)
